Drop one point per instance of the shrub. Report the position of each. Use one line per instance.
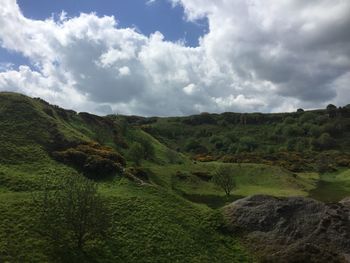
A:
(136, 153)
(195, 147)
(326, 141)
(302, 144)
(220, 142)
(307, 117)
(315, 131)
(247, 144)
(322, 119)
(92, 159)
(291, 144)
(334, 128)
(293, 130)
(98, 166)
(289, 120)
(232, 137)
(148, 148)
(173, 157)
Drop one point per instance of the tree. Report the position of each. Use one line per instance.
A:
(315, 131)
(289, 120)
(146, 143)
(326, 141)
(331, 111)
(293, 131)
(307, 117)
(148, 148)
(136, 153)
(195, 147)
(223, 177)
(173, 156)
(71, 212)
(247, 144)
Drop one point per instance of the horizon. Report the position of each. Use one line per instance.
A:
(177, 57)
(175, 116)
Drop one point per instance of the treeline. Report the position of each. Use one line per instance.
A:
(234, 133)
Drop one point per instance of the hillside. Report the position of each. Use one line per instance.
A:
(32, 130)
(166, 207)
(297, 141)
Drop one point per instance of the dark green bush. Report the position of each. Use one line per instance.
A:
(92, 159)
(324, 142)
(289, 120)
(136, 153)
(247, 144)
(309, 117)
(195, 147)
(293, 131)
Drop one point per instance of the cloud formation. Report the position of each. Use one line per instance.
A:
(257, 56)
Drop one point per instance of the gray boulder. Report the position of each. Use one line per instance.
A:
(292, 229)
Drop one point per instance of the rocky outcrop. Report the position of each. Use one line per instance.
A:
(292, 229)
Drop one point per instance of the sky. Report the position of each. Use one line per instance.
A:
(177, 57)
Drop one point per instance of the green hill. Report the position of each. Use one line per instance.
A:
(152, 224)
(165, 206)
(297, 141)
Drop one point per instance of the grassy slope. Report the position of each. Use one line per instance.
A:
(332, 187)
(268, 131)
(151, 223)
(250, 179)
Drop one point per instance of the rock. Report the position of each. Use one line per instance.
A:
(345, 202)
(292, 229)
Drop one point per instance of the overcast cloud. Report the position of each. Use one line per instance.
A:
(258, 55)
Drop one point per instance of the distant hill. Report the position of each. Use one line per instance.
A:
(298, 141)
(301, 138)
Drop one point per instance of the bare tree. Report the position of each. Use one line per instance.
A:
(71, 212)
(223, 177)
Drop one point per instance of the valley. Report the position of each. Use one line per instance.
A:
(156, 175)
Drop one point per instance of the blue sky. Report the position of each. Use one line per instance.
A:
(147, 18)
(256, 56)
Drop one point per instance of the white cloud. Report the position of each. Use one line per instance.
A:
(191, 89)
(257, 56)
(150, 2)
(124, 71)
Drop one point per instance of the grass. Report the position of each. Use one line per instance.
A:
(332, 187)
(250, 179)
(171, 220)
(150, 225)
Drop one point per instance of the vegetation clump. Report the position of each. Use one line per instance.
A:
(92, 159)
